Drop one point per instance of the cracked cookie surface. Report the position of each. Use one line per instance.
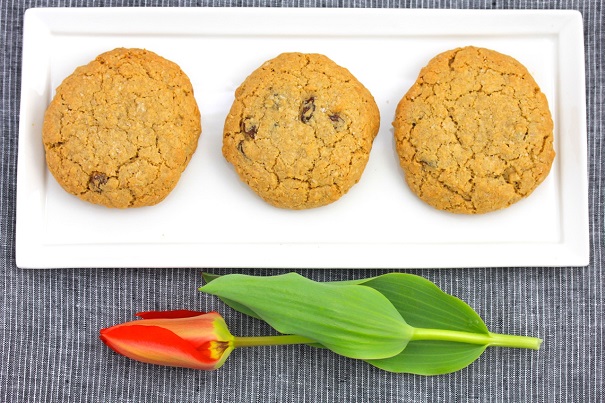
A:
(120, 130)
(300, 130)
(474, 133)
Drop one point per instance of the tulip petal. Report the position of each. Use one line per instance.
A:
(156, 345)
(179, 313)
(195, 329)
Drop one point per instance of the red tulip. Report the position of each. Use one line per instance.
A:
(181, 338)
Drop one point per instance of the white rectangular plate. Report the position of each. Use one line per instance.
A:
(213, 220)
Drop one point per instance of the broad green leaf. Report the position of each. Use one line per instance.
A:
(420, 302)
(423, 305)
(353, 321)
(208, 277)
(428, 357)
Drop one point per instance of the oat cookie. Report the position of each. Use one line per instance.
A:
(300, 130)
(474, 133)
(120, 130)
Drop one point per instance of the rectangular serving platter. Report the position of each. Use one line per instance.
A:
(213, 220)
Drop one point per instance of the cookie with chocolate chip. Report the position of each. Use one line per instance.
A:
(474, 133)
(120, 130)
(300, 130)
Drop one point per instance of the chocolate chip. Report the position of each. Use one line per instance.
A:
(240, 148)
(248, 128)
(336, 120)
(307, 109)
(429, 163)
(96, 181)
(451, 61)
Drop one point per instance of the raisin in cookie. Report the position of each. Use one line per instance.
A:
(120, 130)
(300, 130)
(474, 133)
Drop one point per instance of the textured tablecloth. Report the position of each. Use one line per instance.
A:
(50, 318)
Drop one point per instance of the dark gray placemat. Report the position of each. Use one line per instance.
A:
(50, 318)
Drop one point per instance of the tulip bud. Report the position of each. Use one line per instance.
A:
(175, 338)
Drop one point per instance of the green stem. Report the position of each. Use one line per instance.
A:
(271, 341)
(490, 339)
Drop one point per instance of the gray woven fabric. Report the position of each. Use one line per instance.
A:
(50, 318)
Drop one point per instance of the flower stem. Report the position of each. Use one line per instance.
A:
(271, 341)
(490, 339)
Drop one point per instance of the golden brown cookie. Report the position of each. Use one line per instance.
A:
(120, 130)
(300, 130)
(474, 133)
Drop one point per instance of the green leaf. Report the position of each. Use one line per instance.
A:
(353, 321)
(428, 357)
(424, 305)
(208, 277)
